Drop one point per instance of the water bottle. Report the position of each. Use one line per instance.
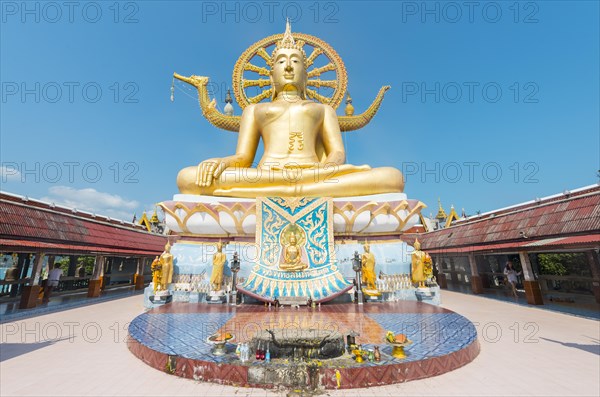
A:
(242, 352)
(268, 354)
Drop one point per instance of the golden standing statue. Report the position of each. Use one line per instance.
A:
(418, 263)
(166, 263)
(216, 277)
(156, 274)
(303, 150)
(368, 267)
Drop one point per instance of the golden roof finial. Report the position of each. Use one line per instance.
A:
(154, 218)
(441, 213)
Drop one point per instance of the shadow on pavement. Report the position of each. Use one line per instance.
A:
(592, 348)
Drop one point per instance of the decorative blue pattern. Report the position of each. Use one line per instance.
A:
(181, 334)
(309, 220)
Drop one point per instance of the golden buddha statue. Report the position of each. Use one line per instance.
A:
(216, 277)
(368, 268)
(418, 262)
(292, 255)
(166, 264)
(156, 274)
(303, 150)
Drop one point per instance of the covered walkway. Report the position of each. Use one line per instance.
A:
(554, 241)
(96, 253)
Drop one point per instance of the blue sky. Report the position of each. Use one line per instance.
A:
(492, 103)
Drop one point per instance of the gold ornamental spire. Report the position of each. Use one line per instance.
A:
(441, 213)
(288, 42)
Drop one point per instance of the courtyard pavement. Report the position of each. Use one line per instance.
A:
(525, 351)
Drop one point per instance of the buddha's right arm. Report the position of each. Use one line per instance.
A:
(248, 139)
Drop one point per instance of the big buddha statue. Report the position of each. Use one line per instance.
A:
(303, 150)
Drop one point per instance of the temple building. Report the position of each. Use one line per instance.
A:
(95, 251)
(554, 241)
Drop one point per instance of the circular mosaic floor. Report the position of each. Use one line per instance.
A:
(173, 338)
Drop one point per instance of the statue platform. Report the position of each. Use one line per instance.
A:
(177, 333)
(210, 216)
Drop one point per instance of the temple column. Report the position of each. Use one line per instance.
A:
(31, 292)
(453, 275)
(107, 271)
(21, 272)
(138, 277)
(441, 276)
(476, 283)
(532, 286)
(51, 259)
(592, 258)
(96, 280)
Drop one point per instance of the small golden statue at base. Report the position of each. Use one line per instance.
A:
(166, 263)
(368, 268)
(216, 277)
(369, 276)
(292, 249)
(156, 274)
(421, 266)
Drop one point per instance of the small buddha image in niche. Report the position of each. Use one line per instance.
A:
(293, 258)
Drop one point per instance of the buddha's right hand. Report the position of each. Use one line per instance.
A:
(208, 170)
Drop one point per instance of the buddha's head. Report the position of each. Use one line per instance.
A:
(219, 246)
(168, 247)
(367, 247)
(417, 245)
(293, 240)
(288, 67)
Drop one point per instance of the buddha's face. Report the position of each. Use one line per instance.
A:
(288, 72)
(417, 245)
(292, 239)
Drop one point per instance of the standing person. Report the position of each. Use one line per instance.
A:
(511, 276)
(53, 279)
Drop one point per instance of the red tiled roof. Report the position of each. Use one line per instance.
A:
(35, 224)
(521, 245)
(573, 216)
(55, 247)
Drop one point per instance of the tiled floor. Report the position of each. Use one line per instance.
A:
(182, 330)
(82, 351)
